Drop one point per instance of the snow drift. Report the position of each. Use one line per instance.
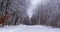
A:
(26, 28)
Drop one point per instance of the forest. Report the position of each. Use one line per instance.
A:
(13, 12)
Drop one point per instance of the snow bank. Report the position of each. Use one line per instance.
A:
(25, 28)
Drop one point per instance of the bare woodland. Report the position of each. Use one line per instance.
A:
(48, 14)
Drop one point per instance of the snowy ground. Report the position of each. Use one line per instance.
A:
(25, 28)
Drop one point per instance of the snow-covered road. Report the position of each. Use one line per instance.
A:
(25, 28)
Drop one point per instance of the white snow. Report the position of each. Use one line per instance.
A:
(26, 28)
(32, 6)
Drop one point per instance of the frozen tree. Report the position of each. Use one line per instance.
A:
(46, 13)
